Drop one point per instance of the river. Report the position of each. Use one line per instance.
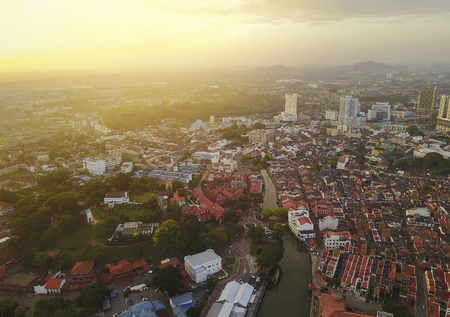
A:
(290, 296)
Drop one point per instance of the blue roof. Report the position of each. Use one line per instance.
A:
(135, 309)
(182, 299)
(85, 177)
(113, 294)
(158, 304)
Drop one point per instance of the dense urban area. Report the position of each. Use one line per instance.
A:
(173, 194)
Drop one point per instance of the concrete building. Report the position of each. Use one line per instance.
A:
(383, 110)
(394, 127)
(328, 222)
(6, 208)
(201, 265)
(116, 198)
(427, 99)
(290, 106)
(19, 283)
(371, 114)
(214, 156)
(336, 240)
(261, 136)
(98, 166)
(301, 225)
(348, 107)
(127, 167)
(212, 119)
(443, 119)
(82, 273)
(332, 115)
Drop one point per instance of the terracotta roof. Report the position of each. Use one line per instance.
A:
(54, 283)
(115, 194)
(82, 267)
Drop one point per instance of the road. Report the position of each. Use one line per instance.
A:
(421, 298)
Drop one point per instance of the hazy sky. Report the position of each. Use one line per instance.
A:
(110, 34)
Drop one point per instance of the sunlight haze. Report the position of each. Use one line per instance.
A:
(116, 35)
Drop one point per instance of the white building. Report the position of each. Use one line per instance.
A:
(127, 167)
(261, 136)
(290, 106)
(301, 225)
(371, 114)
(383, 110)
(53, 286)
(336, 240)
(418, 211)
(394, 127)
(114, 198)
(214, 157)
(331, 115)
(201, 265)
(98, 166)
(348, 107)
(328, 222)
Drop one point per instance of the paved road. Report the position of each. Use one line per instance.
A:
(421, 299)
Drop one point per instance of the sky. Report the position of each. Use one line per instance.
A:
(111, 35)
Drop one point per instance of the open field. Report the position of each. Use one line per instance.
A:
(100, 214)
(75, 243)
(143, 197)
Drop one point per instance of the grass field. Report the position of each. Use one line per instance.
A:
(143, 197)
(100, 214)
(146, 250)
(75, 243)
(18, 173)
(4, 139)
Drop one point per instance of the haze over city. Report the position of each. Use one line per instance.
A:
(51, 35)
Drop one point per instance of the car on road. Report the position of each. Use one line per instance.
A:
(423, 306)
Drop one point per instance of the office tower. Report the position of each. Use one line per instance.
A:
(443, 119)
(427, 99)
(212, 119)
(290, 106)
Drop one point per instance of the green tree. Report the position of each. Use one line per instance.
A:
(401, 163)
(92, 295)
(20, 312)
(278, 230)
(176, 184)
(168, 279)
(281, 213)
(257, 234)
(244, 203)
(193, 311)
(68, 224)
(42, 261)
(333, 163)
(211, 283)
(62, 261)
(214, 239)
(169, 236)
(98, 229)
(270, 255)
(8, 307)
(259, 126)
(266, 213)
(316, 167)
(414, 131)
(231, 217)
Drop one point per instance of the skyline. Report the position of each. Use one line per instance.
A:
(130, 35)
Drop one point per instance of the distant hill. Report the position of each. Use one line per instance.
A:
(368, 66)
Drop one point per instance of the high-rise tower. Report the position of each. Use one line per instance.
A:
(427, 99)
(290, 106)
(443, 119)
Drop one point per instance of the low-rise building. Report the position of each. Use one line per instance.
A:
(82, 273)
(116, 198)
(19, 283)
(301, 225)
(336, 240)
(6, 208)
(201, 265)
(328, 222)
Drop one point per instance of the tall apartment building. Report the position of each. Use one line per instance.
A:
(290, 107)
(427, 99)
(98, 166)
(443, 119)
(261, 136)
(348, 112)
(383, 110)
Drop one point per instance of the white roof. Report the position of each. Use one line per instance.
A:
(226, 310)
(238, 312)
(243, 295)
(202, 258)
(229, 292)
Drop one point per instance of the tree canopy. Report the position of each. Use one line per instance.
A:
(270, 255)
(169, 236)
(168, 279)
(257, 234)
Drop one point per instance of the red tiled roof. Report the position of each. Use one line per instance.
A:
(54, 283)
(82, 267)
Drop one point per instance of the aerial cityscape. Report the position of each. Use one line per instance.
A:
(232, 159)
